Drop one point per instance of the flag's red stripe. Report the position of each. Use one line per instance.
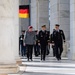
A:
(24, 11)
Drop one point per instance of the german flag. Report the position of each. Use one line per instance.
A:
(24, 11)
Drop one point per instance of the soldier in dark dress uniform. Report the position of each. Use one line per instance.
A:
(43, 41)
(21, 43)
(58, 39)
(36, 46)
(53, 46)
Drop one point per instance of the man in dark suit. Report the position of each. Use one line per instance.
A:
(43, 41)
(58, 39)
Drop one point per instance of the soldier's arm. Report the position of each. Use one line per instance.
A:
(63, 35)
(48, 39)
(39, 37)
(34, 38)
(25, 37)
(20, 37)
(52, 37)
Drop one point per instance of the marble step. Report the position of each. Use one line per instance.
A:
(12, 68)
(19, 73)
(3, 74)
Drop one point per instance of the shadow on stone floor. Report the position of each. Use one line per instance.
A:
(36, 73)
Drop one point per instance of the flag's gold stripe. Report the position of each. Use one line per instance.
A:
(24, 15)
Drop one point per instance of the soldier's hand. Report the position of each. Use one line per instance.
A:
(35, 43)
(52, 44)
(64, 41)
(38, 43)
(24, 44)
(48, 43)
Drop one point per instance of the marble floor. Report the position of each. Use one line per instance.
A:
(49, 67)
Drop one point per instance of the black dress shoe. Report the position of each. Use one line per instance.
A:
(31, 60)
(43, 59)
(28, 60)
(60, 58)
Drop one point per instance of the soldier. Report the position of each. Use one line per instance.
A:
(21, 43)
(58, 38)
(43, 41)
(53, 47)
(36, 46)
(48, 46)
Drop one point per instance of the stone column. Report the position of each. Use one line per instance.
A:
(34, 14)
(53, 14)
(60, 14)
(44, 13)
(16, 32)
(40, 13)
(9, 31)
(72, 30)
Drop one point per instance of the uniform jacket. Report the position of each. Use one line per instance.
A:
(21, 38)
(43, 37)
(58, 37)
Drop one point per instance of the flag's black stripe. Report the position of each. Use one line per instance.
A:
(24, 7)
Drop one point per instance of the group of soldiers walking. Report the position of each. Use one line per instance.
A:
(41, 41)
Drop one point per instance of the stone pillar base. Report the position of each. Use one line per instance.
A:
(3, 74)
(19, 61)
(19, 73)
(7, 69)
(14, 74)
(10, 74)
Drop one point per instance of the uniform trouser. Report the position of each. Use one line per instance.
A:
(53, 47)
(36, 50)
(43, 52)
(29, 51)
(19, 48)
(47, 50)
(58, 51)
(22, 50)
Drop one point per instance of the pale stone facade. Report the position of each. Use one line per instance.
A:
(39, 13)
(34, 14)
(72, 29)
(61, 12)
(9, 31)
(44, 13)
